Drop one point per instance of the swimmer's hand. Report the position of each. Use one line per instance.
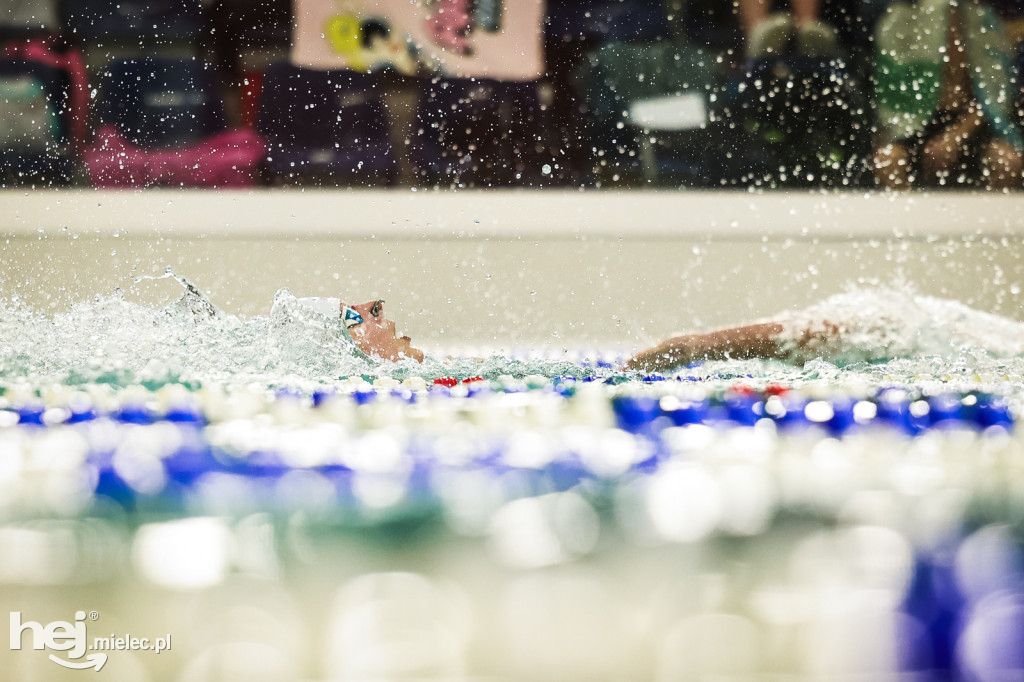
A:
(751, 341)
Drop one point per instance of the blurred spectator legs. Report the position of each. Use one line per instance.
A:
(799, 31)
(242, 39)
(400, 97)
(892, 166)
(964, 139)
(1002, 166)
(941, 160)
(567, 111)
(753, 12)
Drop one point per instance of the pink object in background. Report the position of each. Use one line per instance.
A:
(448, 25)
(514, 52)
(227, 159)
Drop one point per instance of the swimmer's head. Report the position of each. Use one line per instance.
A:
(375, 335)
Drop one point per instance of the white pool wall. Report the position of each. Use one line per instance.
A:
(517, 269)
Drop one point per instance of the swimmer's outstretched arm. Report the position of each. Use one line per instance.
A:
(767, 340)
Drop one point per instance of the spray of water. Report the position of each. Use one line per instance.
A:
(888, 337)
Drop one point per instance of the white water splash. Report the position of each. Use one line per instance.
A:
(886, 338)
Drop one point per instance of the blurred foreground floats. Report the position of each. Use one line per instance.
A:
(542, 529)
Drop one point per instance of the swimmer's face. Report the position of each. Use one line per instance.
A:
(376, 335)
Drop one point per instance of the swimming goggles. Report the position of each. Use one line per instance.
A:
(351, 317)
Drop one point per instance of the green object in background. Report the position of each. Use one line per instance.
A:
(907, 88)
(487, 15)
(31, 122)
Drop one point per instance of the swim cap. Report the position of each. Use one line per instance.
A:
(332, 308)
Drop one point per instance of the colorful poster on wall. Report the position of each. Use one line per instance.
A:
(499, 39)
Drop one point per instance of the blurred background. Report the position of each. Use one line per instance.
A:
(454, 93)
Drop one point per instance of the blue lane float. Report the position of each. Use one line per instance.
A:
(634, 406)
(156, 451)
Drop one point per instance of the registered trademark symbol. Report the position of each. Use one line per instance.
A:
(93, 615)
